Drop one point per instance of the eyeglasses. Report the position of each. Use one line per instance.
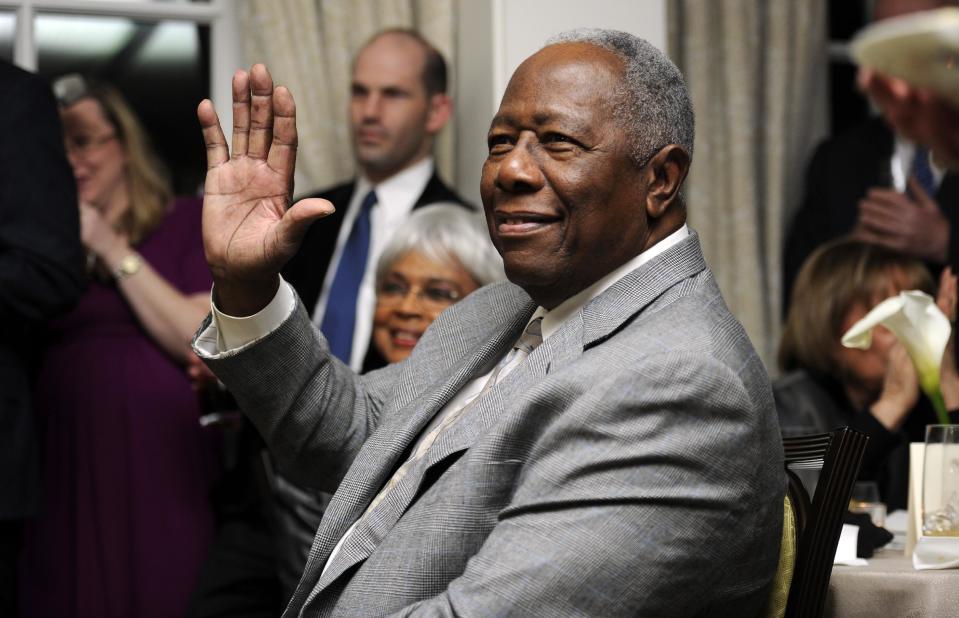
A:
(434, 295)
(83, 145)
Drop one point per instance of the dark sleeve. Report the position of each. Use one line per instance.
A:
(195, 274)
(880, 445)
(41, 259)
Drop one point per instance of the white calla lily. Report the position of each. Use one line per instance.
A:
(919, 325)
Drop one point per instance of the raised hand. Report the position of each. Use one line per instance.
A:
(900, 390)
(98, 235)
(249, 228)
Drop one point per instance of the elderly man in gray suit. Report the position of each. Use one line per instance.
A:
(595, 437)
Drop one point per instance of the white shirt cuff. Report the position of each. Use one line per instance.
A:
(227, 333)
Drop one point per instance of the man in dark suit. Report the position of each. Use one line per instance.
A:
(41, 276)
(866, 182)
(565, 443)
(398, 105)
(878, 186)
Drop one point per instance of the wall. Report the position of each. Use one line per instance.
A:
(495, 36)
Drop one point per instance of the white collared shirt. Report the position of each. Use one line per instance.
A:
(901, 164)
(395, 199)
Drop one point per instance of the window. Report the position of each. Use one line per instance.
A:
(159, 54)
(8, 23)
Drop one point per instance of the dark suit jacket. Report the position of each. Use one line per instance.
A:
(842, 170)
(41, 265)
(306, 271)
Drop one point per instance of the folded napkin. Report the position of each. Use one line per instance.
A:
(871, 537)
(846, 549)
(936, 552)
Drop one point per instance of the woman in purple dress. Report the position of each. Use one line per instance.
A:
(125, 519)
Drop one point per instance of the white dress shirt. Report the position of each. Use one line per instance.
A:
(901, 164)
(395, 199)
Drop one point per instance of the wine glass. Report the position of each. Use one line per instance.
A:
(865, 499)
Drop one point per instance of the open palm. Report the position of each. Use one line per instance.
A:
(249, 230)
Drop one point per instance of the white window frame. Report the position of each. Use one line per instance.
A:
(219, 15)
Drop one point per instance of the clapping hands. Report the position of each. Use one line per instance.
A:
(900, 389)
(913, 225)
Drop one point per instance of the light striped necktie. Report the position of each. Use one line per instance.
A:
(529, 341)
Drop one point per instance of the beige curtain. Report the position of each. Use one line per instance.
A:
(309, 47)
(756, 70)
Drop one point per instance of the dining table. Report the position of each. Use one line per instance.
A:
(890, 586)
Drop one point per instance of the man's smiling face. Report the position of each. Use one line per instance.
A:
(564, 201)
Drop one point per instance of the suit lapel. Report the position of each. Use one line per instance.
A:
(626, 298)
(600, 319)
(435, 191)
(308, 268)
(507, 313)
(564, 346)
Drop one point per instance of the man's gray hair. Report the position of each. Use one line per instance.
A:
(653, 102)
(448, 234)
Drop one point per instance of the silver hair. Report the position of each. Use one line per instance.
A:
(652, 101)
(449, 234)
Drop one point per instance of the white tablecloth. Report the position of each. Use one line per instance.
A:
(890, 586)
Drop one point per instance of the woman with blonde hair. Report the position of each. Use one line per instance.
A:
(125, 516)
(827, 385)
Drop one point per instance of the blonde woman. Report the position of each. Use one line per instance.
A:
(125, 518)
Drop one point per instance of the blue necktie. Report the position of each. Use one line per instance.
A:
(922, 170)
(340, 315)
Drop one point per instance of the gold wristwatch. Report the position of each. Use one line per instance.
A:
(128, 266)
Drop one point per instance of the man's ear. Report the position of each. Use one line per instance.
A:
(440, 112)
(664, 174)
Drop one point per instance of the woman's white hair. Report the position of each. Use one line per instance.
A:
(449, 234)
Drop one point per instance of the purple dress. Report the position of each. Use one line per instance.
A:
(125, 517)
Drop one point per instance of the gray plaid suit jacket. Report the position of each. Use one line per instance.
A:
(631, 465)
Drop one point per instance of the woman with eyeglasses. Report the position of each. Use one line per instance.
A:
(125, 516)
(438, 256)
